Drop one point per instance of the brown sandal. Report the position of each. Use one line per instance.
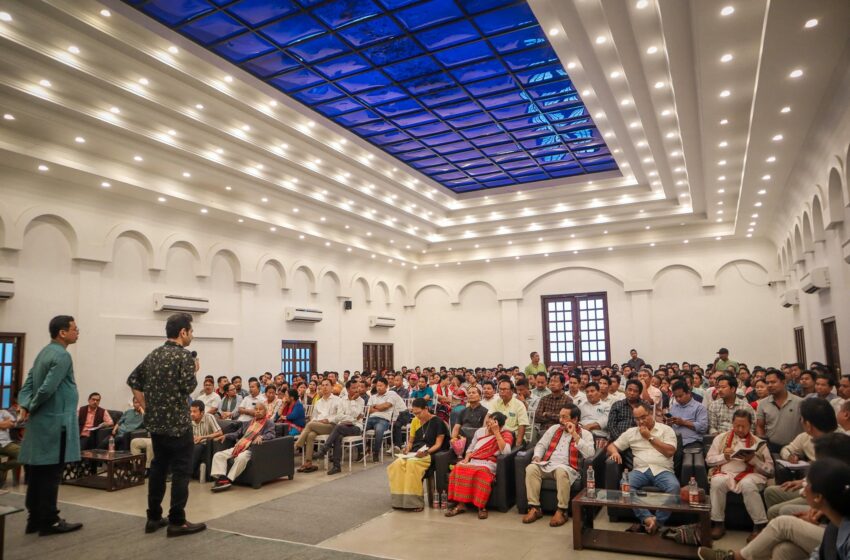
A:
(482, 514)
(457, 510)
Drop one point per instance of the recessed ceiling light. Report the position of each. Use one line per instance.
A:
(757, 204)
(752, 223)
(720, 212)
(652, 244)
(777, 138)
(138, 158)
(749, 235)
(272, 228)
(762, 191)
(105, 185)
(264, 199)
(348, 249)
(347, 227)
(724, 122)
(796, 73)
(571, 65)
(105, 13)
(725, 93)
(625, 102)
(670, 135)
(686, 241)
(615, 74)
(601, 39)
(726, 57)
(43, 167)
(115, 110)
(5, 16)
(228, 79)
(811, 23)
(228, 188)
(204, 211)
(516, 257)
(785, 109)
(295, 210)
(754, 216)
(722, 162)
(720, 203)
(765, 177)
(771, 159)
(721, 191)
(161, 199)
(45, 83)
(144, 81)
(369, 233)
(610, 248)
(187, 174)
(74, 49)
(641, 4)
(80, 140)
(554, 31)
(723, 144)
(652, 50)
(327, 243)
(727, 11)
(9, 117)
(322, 219)
(300, 237)
(659, 85)
(666, 113)
(173, 50)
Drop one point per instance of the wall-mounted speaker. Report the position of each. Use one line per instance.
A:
(347, 305)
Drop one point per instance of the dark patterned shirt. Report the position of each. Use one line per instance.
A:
(167, 378)
(549, 409)
(621, 418)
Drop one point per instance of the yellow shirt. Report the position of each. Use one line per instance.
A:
(516, 413)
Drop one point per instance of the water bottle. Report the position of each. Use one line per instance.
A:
(591, 481)
(435, 501)
(693, 492)
(624, 482)
(111, 444)
(444, 500)
(202, 473)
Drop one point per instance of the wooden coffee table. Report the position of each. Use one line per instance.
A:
(123, 470)
(586, 536)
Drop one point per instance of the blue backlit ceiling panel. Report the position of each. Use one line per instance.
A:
(469, 92)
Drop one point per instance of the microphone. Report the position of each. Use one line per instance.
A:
(194, 354)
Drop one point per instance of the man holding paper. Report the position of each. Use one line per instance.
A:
(741, 464)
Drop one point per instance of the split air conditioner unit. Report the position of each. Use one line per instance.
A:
(303, 315)
(7, 288)
(816, 279)
(381, 322)
(187, 304)
(789, 298)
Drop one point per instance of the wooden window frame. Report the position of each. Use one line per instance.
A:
(575, 298)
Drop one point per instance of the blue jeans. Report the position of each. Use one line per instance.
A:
(665, 480)
(380, 425)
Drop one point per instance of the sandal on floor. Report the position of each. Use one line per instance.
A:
(311, 468)
(636, 528)
(302, 468)
(455, 511)
(482, 514)
(418, 510)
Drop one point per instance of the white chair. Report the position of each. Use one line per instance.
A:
(369, 438)
(350, 442)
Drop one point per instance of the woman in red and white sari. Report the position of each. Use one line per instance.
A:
(472, 478)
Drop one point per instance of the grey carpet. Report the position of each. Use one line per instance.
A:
(116, 535)
(316, 514)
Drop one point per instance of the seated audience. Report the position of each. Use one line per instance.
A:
(91, 418)
(823, 388)
(778, 415)
(221, 390)
(211, 400)
(8, 448)
(406, 474)
(576, 394)
(843, 418)
(653, 445)
(204, 429)
(322, 422)
(130, 421)
(349, 423)
(651, 394)
(384, 405)
(472, 417)
(843, 391)
(399, 388)
(273, 403)
(594, 411)
(292, 413)
(523, 394)
(423, 390)
(807, 384)
(744, 474)
(549, 407)
(143, 446)
(541, 386)
(725, 404)
(255, 432)
(515, 413)
(621, 416)
(229, 407)
(488, 394)
(237, 382)
(250, 401)
(472, 477)
(557, 457)
(688, 417)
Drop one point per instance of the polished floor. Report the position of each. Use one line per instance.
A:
(253, 516)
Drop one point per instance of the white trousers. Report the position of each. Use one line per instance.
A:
(143, 445)
(784, 538)
(219, 464)
(750, 491)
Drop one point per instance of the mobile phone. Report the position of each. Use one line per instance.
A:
(640, 493)
(668, 415)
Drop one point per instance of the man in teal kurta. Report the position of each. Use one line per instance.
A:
(48, 402)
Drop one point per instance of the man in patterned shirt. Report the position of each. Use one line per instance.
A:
(549, 407)
(162, 383)
(724, 405)
(621, 417)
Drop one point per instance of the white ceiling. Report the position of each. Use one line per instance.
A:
(214, 140)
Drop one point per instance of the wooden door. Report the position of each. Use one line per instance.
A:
(377, 356)
(297, 356)
(830, 342)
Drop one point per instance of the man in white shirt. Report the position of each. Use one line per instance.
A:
(249, 402)
(349, 423)
(843, 391)
(554, 459)
(653, 445)
(489, 398)
(325, 417)
(383, 407)
(594, 412)
(208, 396)
(575, 392)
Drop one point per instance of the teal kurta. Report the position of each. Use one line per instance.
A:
(50, 395)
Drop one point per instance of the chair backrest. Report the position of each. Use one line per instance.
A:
(308, 412)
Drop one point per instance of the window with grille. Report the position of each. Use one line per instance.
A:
(297, 356)
(575, 329)
(11, 358)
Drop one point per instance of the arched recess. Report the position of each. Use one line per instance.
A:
(305, 268)
(789, 253)
(6, 223)
(176, 240)
(798, 244)
(736, 262)
(360, 281)
(452, 298)
(335, 276)
(34, 215)
(536, 279)
(474, 282)
(818, 229)
(698, 274)
(783, 259)
(400, 294)
(133, 233)
(230, 257)
(268, 260)
(381, 287)
(835, 198)
(808, 238)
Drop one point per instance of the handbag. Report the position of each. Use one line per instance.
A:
(458, 446)
(684, 534)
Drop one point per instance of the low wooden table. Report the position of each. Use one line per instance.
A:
(123, 470)
(585, 536)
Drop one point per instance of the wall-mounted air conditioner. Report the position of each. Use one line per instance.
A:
(816, 279)
(303, 314)
(789, 298)
(381, 322)
(7, 288)
(187, 304)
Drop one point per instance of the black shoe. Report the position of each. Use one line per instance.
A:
(32, 527)
(154, 525)
(334, 470)
(59, 528)
(320, 454)
(185, 529)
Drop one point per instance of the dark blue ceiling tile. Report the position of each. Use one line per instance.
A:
(477, 131)
(243, 47)
(447, 35)
(473, 163)
(412, 68)
(432, 162)
(212, 28)
(505, 19)
(394, 4)
(540, 75)
(402, 147)
(467, 155)
(443, 96)
(533, 132)
(371, 31)
(312, 51)
(524, 122)
(382, 95)
(456, 109)
(428, 14)
(364, 81)
(438, 139)
(270, 64)
(428, 83)
(514, 111)
(318, 94)
(474, 119)
(494, 139)
(289, 30)
(485, 170)
(478, 71)
(415, 119)
(389, 137)
(338, 107)
(418, 154)
(529, 59)
(464, 54)
(453, 147)
(519, 40)
(519, 164)
(342, 12)
(476, 6)
(372, 128)
(258, 12)
(493, 85)
(507, 98)
(393, 51)
(172, 12)
(297, 79)
(441, 177)
(357, 118)
(342, 66)
(399, 107)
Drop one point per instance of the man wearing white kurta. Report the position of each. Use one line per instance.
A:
(744, 475)
(556, 456)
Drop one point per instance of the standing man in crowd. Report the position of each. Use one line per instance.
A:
(49, 399)
(778, 414)
(722, 361)
(162, 383)
(535, 366)
(635, 362)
